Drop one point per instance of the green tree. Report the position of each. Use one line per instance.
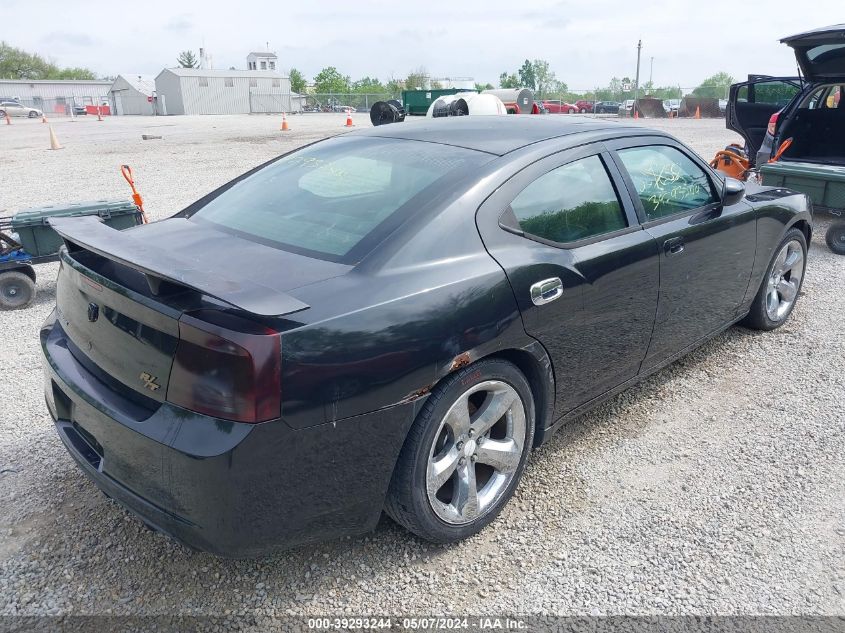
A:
(417, 79)
(368, 85)
(393, 87)
(187, 59)
(488, 86)
(16, 63)
(544, 79)
(715, 87)
(508, 80)
(527, 78)
(297, 81)
(329, 80)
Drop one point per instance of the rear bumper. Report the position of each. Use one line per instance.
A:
(232, 489)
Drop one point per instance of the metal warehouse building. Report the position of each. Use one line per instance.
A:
(203, 91)
(55, 96)
(133, 94)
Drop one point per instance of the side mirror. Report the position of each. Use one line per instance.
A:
(733, 191)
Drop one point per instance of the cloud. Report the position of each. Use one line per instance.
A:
(70, 39)
(179, 23)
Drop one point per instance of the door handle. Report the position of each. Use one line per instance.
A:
(546, 291)
(673, 246)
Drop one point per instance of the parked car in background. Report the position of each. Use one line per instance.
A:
(803, 115)
(393, 318)
(626, 108)
(606, 107)
(671, 105)
(584, 105)
(13, 108)
(767, 110)
(723, 106)
(80, 110)
(559, 107)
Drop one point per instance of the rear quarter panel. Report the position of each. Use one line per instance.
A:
(427, 302)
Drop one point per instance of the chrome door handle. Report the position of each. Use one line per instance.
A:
(674, 246)
(546, 291)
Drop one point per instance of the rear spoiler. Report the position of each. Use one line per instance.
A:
(159, 266)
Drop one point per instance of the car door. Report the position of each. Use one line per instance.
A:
(706, 248)
(752, 103)
(584, 273)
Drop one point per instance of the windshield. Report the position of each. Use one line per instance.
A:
(337, 199)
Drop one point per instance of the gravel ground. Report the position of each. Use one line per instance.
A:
(714, 487)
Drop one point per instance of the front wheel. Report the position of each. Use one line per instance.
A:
(835, 238)
(779, 290)
(583, 110)
(17, 290)
(32, 114)
(464, 454)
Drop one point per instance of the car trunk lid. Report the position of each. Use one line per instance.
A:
(820, 52)
(120, 294)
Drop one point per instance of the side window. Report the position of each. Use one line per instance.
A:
(667, 181)
(776, 93)
(571, 203)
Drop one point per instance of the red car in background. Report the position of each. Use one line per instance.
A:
(559, 107)
(584, 106)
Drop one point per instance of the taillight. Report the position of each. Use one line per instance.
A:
(227, 367)
(773, 122)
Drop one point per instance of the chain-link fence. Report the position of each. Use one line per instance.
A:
(342, 102)
(69, 106)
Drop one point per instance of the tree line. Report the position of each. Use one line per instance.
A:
(537, 74)
(16, 63)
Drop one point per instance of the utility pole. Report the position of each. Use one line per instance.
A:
(651, 72)
(637, 80)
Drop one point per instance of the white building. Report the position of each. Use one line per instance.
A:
(203, 91)
(133, 94)
(261, 61)
(55, 96)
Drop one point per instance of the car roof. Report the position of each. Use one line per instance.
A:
(498, 135)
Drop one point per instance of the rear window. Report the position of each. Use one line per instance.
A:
(827, 59)
(337, 199)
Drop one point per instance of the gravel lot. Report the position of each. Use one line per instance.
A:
(715, 487)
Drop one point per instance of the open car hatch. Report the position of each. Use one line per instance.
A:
(820, 52)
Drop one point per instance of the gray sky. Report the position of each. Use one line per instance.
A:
(586, 42)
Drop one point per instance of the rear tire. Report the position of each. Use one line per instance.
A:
(781, 285)
(17, 290)
(835, 238)
(464, 454)
(32, 115)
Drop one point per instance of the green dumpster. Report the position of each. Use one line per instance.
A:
(416, 102)
(39, 240)
(825, 184)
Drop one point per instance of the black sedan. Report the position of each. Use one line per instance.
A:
(391, 319)
(607, 107)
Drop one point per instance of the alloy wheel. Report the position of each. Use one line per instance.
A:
(784, 281)
(476, 452)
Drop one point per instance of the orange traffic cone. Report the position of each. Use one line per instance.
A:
(636, 114)
(99, 113)
(285, 127)
(8, 120)
(54, 142)
(349, 118)
(697, 112)
(43, 118)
